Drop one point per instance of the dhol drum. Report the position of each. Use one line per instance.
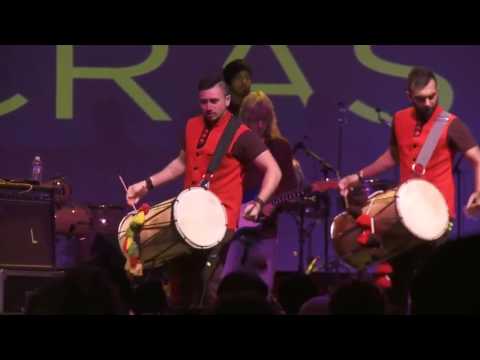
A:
(195, 219)
(407, 216)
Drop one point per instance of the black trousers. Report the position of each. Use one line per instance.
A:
(194, 277)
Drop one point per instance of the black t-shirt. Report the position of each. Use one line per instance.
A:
(282, 153)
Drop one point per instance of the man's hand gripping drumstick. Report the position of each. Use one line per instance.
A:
(131, 200)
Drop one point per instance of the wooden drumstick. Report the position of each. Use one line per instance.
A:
(345, 198)
(126, 189)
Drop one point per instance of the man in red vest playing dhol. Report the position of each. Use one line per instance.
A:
(202, 135)
(410, 129)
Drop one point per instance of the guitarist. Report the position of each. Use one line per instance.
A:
(253, 246)
(410, 128)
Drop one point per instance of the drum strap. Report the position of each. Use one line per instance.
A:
(425, 154)
(221, 149)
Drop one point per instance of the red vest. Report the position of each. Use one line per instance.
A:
(439, 168)
(227, 179)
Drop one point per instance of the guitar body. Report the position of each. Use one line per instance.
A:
(253, 246)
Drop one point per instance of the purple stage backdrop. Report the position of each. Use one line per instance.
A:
(94, 112)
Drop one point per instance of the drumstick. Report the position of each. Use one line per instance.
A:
(126, 189)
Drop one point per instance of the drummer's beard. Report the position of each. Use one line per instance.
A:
(424, 113)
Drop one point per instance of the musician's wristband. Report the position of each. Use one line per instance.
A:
(260, 202)
(149, 183)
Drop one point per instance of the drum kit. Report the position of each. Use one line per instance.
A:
(76, 224)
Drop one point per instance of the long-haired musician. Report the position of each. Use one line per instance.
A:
(410, 129)
(254, 250)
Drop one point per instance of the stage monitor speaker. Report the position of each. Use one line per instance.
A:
(27, 227)
(16, 287)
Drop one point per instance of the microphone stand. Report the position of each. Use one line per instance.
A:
(342, 121)
(326, 168)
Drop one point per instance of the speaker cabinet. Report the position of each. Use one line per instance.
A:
(27, 227)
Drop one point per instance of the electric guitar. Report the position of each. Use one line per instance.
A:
(276, 204)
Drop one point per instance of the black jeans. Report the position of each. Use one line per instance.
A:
(194, 277)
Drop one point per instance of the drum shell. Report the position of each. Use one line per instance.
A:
(393, 236)
(178, 227)
(158, 238)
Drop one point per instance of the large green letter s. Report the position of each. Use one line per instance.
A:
(367, 58)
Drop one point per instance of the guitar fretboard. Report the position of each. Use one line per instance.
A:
(288, 196)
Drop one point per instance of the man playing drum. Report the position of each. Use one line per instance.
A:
(202, 135)
(410, 130)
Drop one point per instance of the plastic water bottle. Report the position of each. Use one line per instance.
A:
(37, 169)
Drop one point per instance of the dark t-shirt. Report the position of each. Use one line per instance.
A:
(282, 153)
(247, 147)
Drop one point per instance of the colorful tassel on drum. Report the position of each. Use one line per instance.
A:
(383, 269)
(382, 274)
(364, 237)
(366, 223)
(383, 281)
(145, 208)
(133, 264)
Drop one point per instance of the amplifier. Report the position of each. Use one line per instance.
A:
(27, 227)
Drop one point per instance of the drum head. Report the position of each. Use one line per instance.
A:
(423, 209)
(200, 217)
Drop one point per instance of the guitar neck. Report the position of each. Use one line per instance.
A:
(285, 197)
(315, 187)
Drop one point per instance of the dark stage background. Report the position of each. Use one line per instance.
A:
(94, 112)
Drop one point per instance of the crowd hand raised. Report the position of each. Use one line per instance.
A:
(135, 192)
